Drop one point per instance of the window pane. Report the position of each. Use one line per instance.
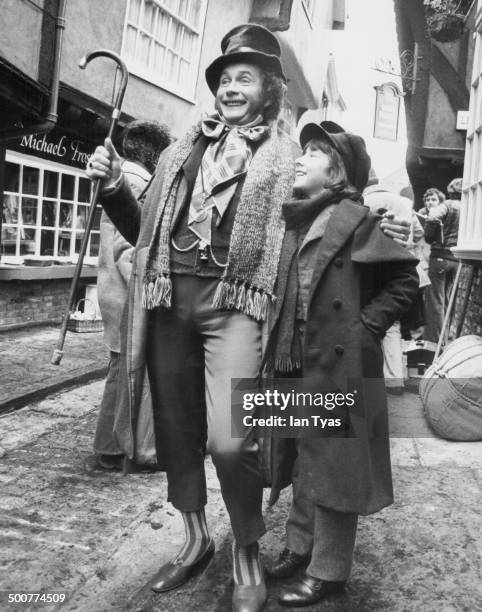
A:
(194, 13)
(81, 220)
(10, 209)
(12, 177)
(187, 44)
(9, 240)
(94, 244)
(97, 215)
(183, 71)
(162, 26)
(68, 186)
(27, 242)
(171, 66)
(134, 6)
(158, 57)
(65, 217)
(175, 34)
(63, 246)
(29, 211)
(147, 21)
(78, 241)
(49, 210)
(183, 9)
(172, 5)
(47, 242)
(143, 48)
(84, 190)
(30, 180)
(51, 182)
(131, 41)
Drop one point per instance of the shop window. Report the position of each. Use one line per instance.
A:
(469, 242)
(45, 209)
(162, 42)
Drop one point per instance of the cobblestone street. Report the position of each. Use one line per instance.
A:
(99, 536)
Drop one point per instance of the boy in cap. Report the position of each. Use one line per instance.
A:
(341, 284)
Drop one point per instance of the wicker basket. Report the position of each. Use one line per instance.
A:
(83, 326)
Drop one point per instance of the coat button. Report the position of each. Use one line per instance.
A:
(339, 262)
(339, 349)
(337, 303)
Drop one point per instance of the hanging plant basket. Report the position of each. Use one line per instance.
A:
(446, 27)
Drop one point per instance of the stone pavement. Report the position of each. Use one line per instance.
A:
(27, 374)
(99, 536)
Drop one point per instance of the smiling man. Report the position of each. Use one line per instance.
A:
(206, 260)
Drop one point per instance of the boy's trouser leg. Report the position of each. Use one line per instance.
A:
(300, 524)
(333, 544)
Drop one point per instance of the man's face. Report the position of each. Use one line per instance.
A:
(431, 200)
(239, 98)
(312, 171)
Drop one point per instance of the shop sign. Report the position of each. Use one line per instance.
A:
(54, 146)
(462, 120)
(387, 111)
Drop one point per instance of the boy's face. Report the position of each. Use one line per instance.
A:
(240, 96)
(312, 171)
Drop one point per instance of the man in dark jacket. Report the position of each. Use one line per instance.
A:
(441, 227)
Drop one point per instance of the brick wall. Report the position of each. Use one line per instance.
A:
(473, 318)
(24, 302)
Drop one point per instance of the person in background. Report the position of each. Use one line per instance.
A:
(441, 223)
(380, 200)
(341, 284)
(142, 143)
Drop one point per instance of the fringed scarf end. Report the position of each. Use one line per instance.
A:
(286, 364)
(157, 292)
(232, 295)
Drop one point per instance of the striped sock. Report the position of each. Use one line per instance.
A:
(246, 564)
(197, 537)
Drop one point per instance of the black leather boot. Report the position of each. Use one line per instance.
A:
(308, 590)
(287, 564)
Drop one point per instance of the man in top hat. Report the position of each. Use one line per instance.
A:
(207, 251)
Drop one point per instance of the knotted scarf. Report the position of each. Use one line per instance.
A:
(299, 214)
(227, 156)
(248, 280)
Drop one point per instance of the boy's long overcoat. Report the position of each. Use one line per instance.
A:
(361, 283)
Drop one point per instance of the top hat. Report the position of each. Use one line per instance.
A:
(247, 43)
(351, 148)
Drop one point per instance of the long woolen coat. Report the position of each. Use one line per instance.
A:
(362, 282)
(134, 426)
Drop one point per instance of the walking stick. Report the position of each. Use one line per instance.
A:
(58, 352)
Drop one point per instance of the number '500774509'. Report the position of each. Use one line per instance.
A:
(36, 597)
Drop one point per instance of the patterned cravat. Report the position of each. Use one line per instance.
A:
(227, 156)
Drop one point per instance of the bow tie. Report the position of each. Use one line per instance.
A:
(214, 128)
